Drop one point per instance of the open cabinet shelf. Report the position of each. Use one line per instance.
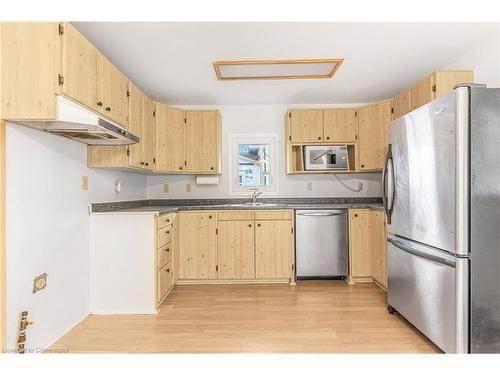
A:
(296, 165)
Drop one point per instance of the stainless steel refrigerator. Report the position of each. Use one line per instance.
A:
(441, 188)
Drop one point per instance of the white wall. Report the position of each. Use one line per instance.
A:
(264, 119)
(47, 229)
(484, 59)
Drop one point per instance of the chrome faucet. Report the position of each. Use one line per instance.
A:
(255, 195)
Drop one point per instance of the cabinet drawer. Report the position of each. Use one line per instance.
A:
(164, 255)
(164, 236)
(169, 276)
(273, 215)
(235, 215)
(164, 220)
(165, 280)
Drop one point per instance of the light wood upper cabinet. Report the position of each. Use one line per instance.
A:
(273, 249)
(170, 141)
(197, 245)
(340, 125)
(379, 247)
(402, 104)
(235, 249)
(79, 67)
(29, 68)
(112, 91)
(203, 130)
(437, 84)
(360, 243)
(306, 125)
(373, 131)
(136, 126)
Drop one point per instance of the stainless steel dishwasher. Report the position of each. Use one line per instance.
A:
(321, 249)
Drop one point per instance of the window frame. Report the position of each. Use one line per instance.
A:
(233, 141)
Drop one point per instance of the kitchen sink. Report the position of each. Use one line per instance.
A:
(256, 204)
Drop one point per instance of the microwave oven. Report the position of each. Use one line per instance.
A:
(326, 157)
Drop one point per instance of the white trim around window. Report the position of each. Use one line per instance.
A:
(236, 139)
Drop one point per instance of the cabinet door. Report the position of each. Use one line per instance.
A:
(136, 116)
(422, 92)
(306, 125)
(340, 125)
(170, 139)
(148, 137)
(29, 68)
(197, 245)
(359, 243)
(379, 247)
(79, 67)
(235, 249)
(112, 88)
(445, 81)
(202, 142)
(374, 122)
(402, 104)
(273, 249)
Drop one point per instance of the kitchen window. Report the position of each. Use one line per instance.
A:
(252, 160)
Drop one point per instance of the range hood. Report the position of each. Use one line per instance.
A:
(78, 123)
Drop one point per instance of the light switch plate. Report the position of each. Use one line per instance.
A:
(39, 282)
(166, 188)
(188, 188)
(85, 183)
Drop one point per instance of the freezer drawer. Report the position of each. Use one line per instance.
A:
(321, 243)
(428, 288)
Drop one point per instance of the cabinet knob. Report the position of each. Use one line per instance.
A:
(249, 225)
(355, 215)
(146, 164)
(141, 163)
(362, 165)
(210, 216)
(319, 137)
(168, 269)
(168, 250)
(180, 167)
(258, 225)
(108, 109)
(99, 104)
(327, 137)
(168, 220)
(212, 168)
(168, 232)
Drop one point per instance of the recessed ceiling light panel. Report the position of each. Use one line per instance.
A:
(276, 69)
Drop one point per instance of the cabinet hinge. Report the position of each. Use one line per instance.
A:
(433, 88)
(292, 230)
(216, 230)
(290, 114)
(185, 120)
(128, 152)
(61, 29)
(185, 163)
(290, 137)
(128, 94)
(154, 113)
(154, 160)
(61, 80)
(216, 268)
(293, 267)
(355, 113)
(392, 110)
(356, 137)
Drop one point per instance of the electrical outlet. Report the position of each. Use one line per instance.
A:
(309, 186)
(39, 282)
(166, 188)
(188, 188)
(85, 183)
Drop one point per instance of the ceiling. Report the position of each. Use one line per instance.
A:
(172, 61)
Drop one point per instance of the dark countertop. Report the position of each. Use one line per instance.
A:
(160, 207)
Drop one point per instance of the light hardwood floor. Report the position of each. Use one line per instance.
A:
(311, 317)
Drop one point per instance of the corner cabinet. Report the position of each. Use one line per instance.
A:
(236, 246)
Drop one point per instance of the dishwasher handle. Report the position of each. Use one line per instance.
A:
(322, 214)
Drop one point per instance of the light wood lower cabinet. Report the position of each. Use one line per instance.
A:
(368, 246)
(236, 245)
(235, 249)
(273, 249)
(198, 245)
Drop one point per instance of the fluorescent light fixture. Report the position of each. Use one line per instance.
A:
(276, 69)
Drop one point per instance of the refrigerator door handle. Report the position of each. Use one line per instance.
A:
(422, 254)
(385, 196)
